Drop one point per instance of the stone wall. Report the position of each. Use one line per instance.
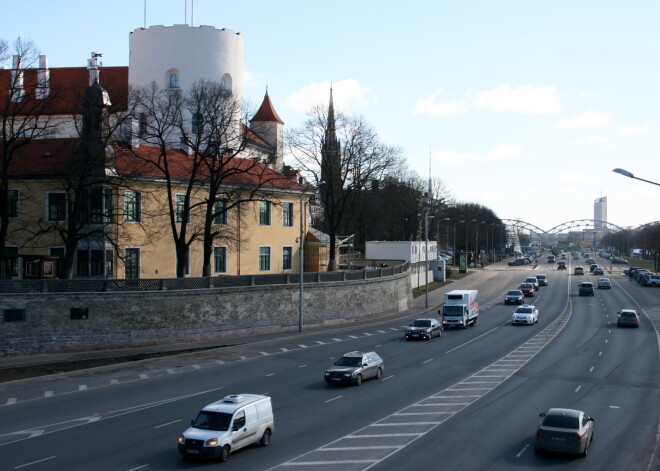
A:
(130, 319)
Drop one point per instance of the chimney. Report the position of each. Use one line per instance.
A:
(43, 79)
(94, 66)
(17, 92)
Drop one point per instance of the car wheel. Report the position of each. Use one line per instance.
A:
(224, 453)
(358, 380)
(538, 450)
(379, 373)
(475, 321)
(265, 438)
(586, 450)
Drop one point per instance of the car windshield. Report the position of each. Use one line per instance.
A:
(586, 285)
(526, 286)
(524, 310)
(212, 421)
(561, 421)
(540, 277)
(421, 323)
(452, 311)
(627, 314)
(514, 293)
(349, 361)
(531, 280)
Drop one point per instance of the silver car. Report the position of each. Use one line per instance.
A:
(627, 317)
(525, 314)
(604, 283)
(354, 367)
(564, 430)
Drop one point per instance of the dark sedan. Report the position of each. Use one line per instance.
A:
(514, 296)
(424, 329)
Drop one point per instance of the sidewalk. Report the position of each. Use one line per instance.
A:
(26, 366)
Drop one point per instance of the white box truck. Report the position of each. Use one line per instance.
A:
(461, 308)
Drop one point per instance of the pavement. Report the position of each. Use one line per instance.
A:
(26, 366)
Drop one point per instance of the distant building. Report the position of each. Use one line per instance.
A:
(600, 213)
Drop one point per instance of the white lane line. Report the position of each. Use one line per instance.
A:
(591, 369)
(139, 467)
(284, 349)
(476, 338)
(82, 387)
(333, 399)
(430, 359)
(389, 377)
(114, 381)
(168, 423)
(241, 357)
(336, 339)
(353, 336)
(197, 367)
(11, 400)
(220, 362)
(578, 388)
(600, 353)
(48, 393)
(171, 371)
(302, 366)
(34, 462)
(522, 451)
(144, 376)
(270, 374)
(302, 346)
(264, 354)
(606, 340)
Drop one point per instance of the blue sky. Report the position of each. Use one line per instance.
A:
(526, 106)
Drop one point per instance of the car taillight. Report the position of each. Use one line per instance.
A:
(579, 435)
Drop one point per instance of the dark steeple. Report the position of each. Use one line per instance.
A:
(331, 151)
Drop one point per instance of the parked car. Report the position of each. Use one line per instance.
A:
(586, 288)
(650, 280)
(514, 296)
(578, 271)
(598, 272)
(525, 314)
(527, 289)
(639, 274)
(542, 279)
(627, 317)
(516, 262)
(214, 432)
(604, 283)
(561, 265)
(533, 280)
(564, 430)
(424, 329)
(619, 260)
(354, 367)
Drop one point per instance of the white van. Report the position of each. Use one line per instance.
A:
(224, 426)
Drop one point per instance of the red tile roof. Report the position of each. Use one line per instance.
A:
(68, 84)
(266, 112)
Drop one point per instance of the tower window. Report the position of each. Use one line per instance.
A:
(174, 81)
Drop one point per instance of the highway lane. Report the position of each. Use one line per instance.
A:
(130, 424)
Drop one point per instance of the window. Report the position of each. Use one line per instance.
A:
(264, 213)
(180, 209)
(96, 262)
(287, 214)
(264, 258)
(13, 203)
(57, 206)
(220, 212)
(287, 258)
(11, 254)
(186, 262)
(196, 121)
(142, 130)
(83, 262)
(56, 252)
(220, 259)
(132, 206)
(132, 263)
(99, 204)
(174, 81)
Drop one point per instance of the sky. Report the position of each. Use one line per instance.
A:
(525, 107)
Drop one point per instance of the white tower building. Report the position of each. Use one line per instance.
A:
(177, 56)
(600, 212)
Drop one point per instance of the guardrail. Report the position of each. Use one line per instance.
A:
(173, 284)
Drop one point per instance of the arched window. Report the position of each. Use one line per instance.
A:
(225, 82)
(174, 81)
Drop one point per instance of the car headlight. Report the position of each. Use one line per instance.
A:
(211, 442)
(348, 375)
(182, 440)
(327, 373)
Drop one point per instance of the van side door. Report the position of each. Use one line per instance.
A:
(244, 429)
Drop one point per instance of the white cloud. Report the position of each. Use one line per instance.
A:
(526, 99)
(632, 130)
(590, 119)
(449, 157)
(503, 151)
(345, 93)
(430, 106)
(588, 94)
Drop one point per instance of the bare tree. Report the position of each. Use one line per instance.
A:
(343, 156)
(26, 114)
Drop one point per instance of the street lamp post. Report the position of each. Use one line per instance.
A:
(302, 266)
(454, 254)
(626, 173)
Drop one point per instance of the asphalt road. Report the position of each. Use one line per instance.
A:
(468, 400)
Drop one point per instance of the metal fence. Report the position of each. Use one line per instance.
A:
(174, 284)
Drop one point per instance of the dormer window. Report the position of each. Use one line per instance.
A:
(174, 81)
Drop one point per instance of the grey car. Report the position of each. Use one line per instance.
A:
(514, 296)
(564, 430)
(586, 288)
(542, 279)
(354, 367)
(627, 317)
(424, 329)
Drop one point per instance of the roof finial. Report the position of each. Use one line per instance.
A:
(266, 90)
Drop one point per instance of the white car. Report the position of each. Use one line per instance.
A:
(525, 314)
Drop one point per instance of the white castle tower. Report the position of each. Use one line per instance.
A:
(177, 56)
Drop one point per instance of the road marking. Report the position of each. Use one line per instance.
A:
(389, 377)
(353, 336)
(284, 349)
(270, 374)
(430, 359)
(476, 338)
(264, 354)
(302, 346)
(333, 399)
(144, 376)
(591, 369)
(600, 353)
(168, 423)
(114, 381)
(34, 462)
(82, 387)
(139, 467)
(578, 388)
(197, 367)
(302, 366)
(48, 393)
(11, 400)
(171, 371)
(522, 451)
(336, 339)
